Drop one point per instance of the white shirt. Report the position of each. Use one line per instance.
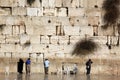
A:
(47, 63)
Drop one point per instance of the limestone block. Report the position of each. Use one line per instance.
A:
(2, 54)
(44, 40)
(100, 39)
(8, 3)
(40, 11)
(58, 3)
(68, 49)
(24, 38)
(45, 3)
(63, 39)
(86, 30)
(35, 39)
(19, 20)
(37, 48)
(74, 39)
(7, 30)
(69, 30)
(106, 32)
(39, 30)
(93, 20)
(48, 20)
(22, 29)
(82, 3)
(76, 12)
(3, 20)
(19, 48)
(21, 3)
(5, 11)
(91, 3)
(19, 11)
(34, 21)
(10, 20)
(29, 29)
(78, 21)
(62, 21)
(7, 54)
(55, 39)
(53, 49)
(7, 47)
(100, 3)
(15, 29)
(61, 12)
(49, 12)
(2, 38)
(93, 12)
(12, 39)
(52, 3)
(27, 49)
(32, 11)
(50, 30)
(36, 4)
(75, 3)
(66, 3)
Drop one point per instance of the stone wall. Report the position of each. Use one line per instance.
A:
(52, 27)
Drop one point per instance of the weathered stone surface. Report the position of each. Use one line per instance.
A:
(5, 11)
(19, 11)
(76, 12)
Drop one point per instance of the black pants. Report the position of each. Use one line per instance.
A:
(46, 70)
(88, 70)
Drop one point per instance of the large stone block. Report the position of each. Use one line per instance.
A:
(5, 11)
(7, 30)
(78, 21)
(45, 3)
(19, 11)
(41, 30)
(66, 3)
(55, 40)
(63, 39)
(35, 39)
(7, 47)
(44, 40)
(2, 38)
(93, 20)
(49, 12)
(12, 39)
(76, 11)
(72, 30)
(91, 3)
(61, 11)
(21, 3)
(58, 3)
(75, 3)
(52, 3)
(86, 30)
(32, 11)
(50, 30)
(8, 3)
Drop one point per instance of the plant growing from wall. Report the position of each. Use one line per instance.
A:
(30, 2)
(27, 43)
(111, 16)
(84, 47)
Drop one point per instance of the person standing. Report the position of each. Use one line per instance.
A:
(46, 65)
(20, 66)
(28, 63)
(88, 66)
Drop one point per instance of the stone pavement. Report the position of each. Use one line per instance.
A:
(14, 76)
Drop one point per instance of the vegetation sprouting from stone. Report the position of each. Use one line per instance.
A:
(27, 44)
(111, 16)
(84, 47)
(30, 2)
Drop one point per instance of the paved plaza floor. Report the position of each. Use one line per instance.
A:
(57, 77)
